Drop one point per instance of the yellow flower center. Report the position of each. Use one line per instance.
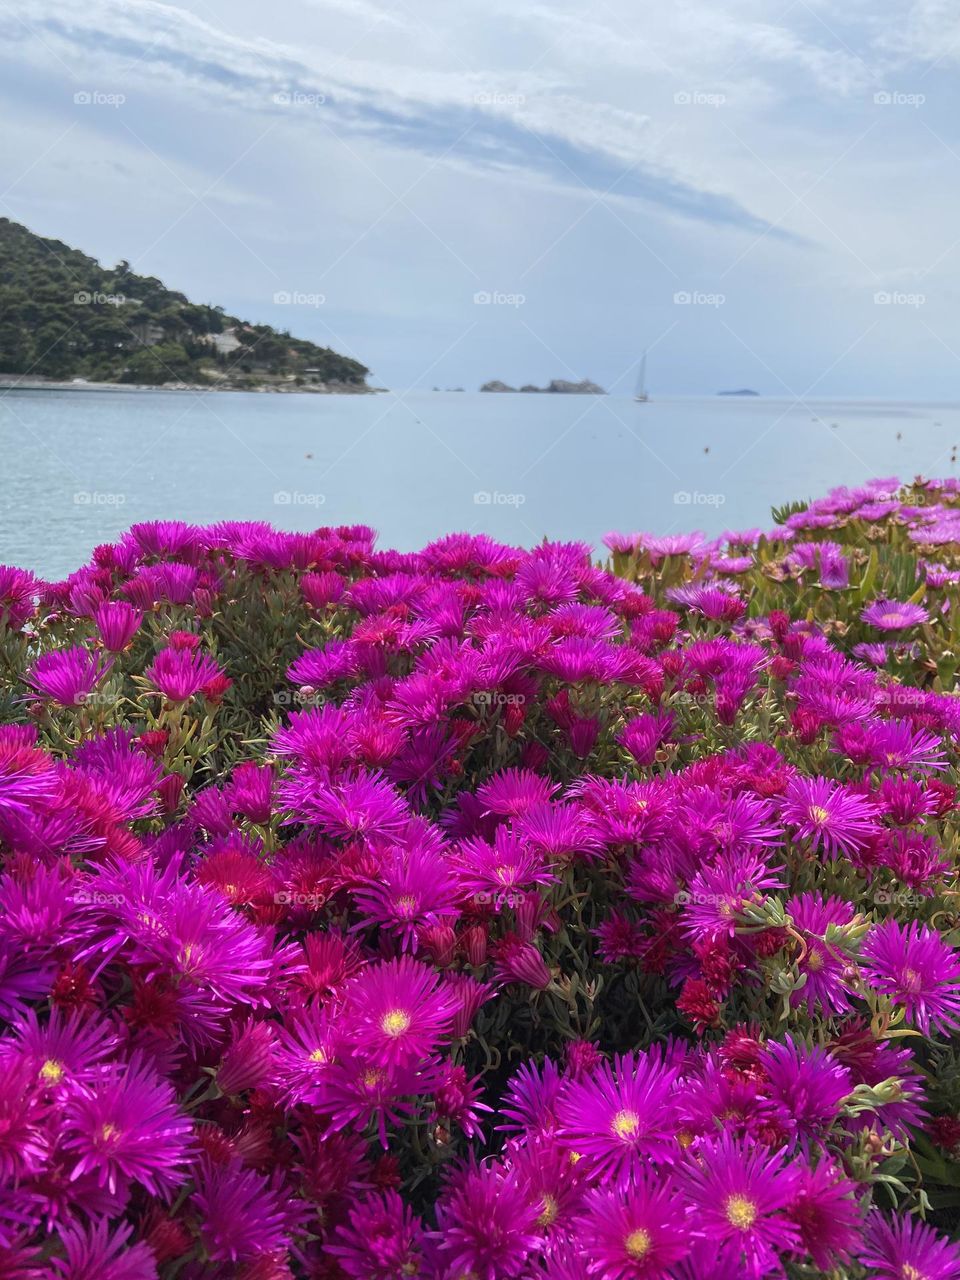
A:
(190, 957)
(395, 1023)
(912, 982)
(318, 1055)
(548, 1215)
(685, 1138)
(52, 1072)
(637, 1243)
(108, 1133)
(815, 960)
(407, 904)
(909, 1272)
(741, 1212)
(818, 814)
(625, 1124)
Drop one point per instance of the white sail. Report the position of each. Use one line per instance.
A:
(641, 392)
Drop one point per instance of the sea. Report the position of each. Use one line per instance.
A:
(79, 467)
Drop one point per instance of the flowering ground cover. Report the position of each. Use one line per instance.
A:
(481, 913)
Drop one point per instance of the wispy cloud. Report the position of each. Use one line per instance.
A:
(524, 120)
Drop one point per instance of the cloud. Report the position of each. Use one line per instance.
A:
(527, 122)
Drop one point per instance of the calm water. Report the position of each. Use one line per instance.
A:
(76, 468)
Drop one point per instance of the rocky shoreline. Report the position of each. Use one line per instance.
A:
(307, 388)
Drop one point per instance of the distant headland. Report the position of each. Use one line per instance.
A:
(68, 322)
(558, 386)
(743, 391)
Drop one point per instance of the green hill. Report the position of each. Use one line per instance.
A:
(63, 315)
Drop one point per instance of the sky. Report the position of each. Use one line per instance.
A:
(760, 194)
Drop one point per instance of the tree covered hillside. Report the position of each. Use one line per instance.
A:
(63, 315)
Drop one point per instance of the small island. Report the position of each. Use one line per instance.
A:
(559, 386)
(743, 391)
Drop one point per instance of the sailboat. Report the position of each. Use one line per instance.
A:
(640, 395)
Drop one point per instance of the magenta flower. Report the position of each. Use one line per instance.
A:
(518, 961)
(412, 889)
(902, 1247)
(366, 805)
(309, 1044)
(357, 1094)
(127, 1128)
(248, 1060)
(718, 893)
(381, 1238)
(21, 1139)
(250, 791)
(118, 622)
(894, 615)
(67, 676)
(95, 1251)
(807, 1084)
(66, 1053)
(739, 1193)
(486, 1228)
(829, 816)
(17, 594)
(634, 1230)
(714, 603)
(513, 792)
(180, 673)
(559, 832)
(398, 1012)
(243, 1215)
(826, 1212)
(823, 965)
(644, 735)
(496, 873)
(530, 1102)
(621, 1116)
(914, 967)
